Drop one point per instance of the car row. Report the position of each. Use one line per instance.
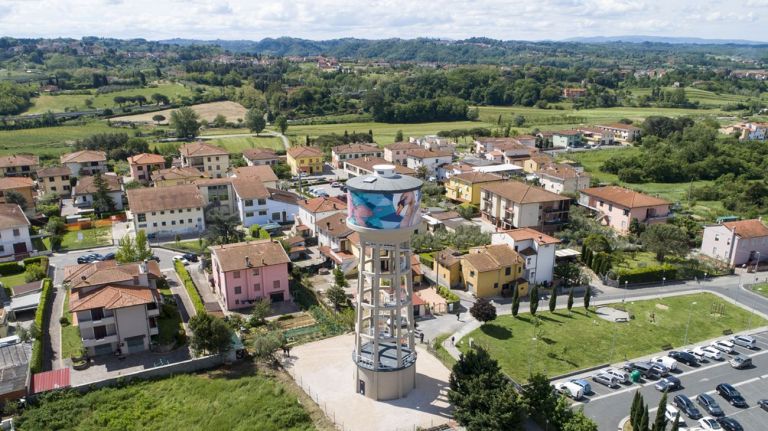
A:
(185, 258)
(716, 418)
(95, 257)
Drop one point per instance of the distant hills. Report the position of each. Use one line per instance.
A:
(662, 39)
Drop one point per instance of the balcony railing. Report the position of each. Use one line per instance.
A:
(90, 342)
(103, 321)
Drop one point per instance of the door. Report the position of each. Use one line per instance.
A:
(20, 248)
(135, 344)
(103, 349)
(361, 387)
(276, 297)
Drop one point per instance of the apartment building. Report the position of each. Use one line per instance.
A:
(307, 160)
(513, 204)
(86, 162)
(167, 211)
(431, 160)
(567, 139)
(54, 180)
(177, 176)
(218, 194)
(492, 269)
(24, 186)
(15, 242)
(343, 153)
(260, 156)
(736, 243)
(312, 210)
(466, 187)
(207, 158)
(560, 178)
(143, 165)
(247, 272)
(397, 153)
(622, 132)
(364, 166)
(537, 250)
(24, 165)
(256, 203)
(263, 173)
(85, 189)
(617, 206)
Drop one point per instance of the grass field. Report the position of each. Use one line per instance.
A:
(96, 237)
(238, 144)
(210, 401)
(206, 111)
(383, 133)
(564, 343)
(704, 97)
(51, 140)
(761, 288)
(10, 281)
(71, 343)
(75, 102)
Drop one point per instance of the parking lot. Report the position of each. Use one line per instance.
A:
(609, 406)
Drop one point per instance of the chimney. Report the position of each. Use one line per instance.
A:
(143, 267)
(328, 225)
(248, 261)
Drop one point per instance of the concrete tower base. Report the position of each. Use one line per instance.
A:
(385, 385)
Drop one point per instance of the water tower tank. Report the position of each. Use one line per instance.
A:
(384, 209)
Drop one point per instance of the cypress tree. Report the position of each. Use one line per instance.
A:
(515, 301)
(570, 299)
(587, 297)
(676, 425)
(635, 409)
(642, 424)
(660, 423)
(533, 298)
(553, 300)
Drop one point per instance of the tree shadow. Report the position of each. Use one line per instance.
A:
(496, 331)
(549, 319)
(548, 341)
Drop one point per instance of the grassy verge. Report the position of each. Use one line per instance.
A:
(440, 353)
(563, 343)
(71, 342)
(96, 237)
(186, 280)
(181, 402)
(10, 281)
(192, 246)
(761, 288)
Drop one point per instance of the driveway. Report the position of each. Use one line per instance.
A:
(107, 366)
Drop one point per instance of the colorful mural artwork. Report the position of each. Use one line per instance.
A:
(384, 210)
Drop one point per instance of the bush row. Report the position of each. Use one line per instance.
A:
(41, 321)
(186, 280)
(447, 294)
(13, 268)
(648, 274)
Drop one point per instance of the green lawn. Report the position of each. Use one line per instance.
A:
(238, 144)
(96, 237)
(210, 401)
(761, 288)
(640, 259)
(169, 324)
(10, 281)
(71, 343)
(704, 97)
(564, 343)
(191, 245)
(59, 103)
(51, 140)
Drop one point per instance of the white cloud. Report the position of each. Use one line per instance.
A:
(375, 19)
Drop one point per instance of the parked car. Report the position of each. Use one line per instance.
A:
(88, 258)
(180, 258)
(672, 412)
(192, 257)
(709, 404)
(570, 389)
(335, 184)
(584, 385)
(709, 423)
(606, 379)
(155, 258)
(763, 404)
(648, 370)
(730, 424)
(731, 394)
(747, 341)
(684, 357)
(668, 384)
(687, 406)
(740, 361)
(724, 346)
(708, 352)
(668, 362)
(109, 256)
(620, 375)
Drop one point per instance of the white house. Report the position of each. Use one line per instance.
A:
(559, 178)
(737, 242)
(566, 139)
(85, 162)
(86, 188)
(312, 210)
(14, 233)
(537, 250)
(257, 204)
(168, 210)
(432, 160)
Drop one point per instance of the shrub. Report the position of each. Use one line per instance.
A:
(64, 320)
(33, 272)
(186, 280)
(10, 268)
(41, 322)
(447, 294)
(648, 274)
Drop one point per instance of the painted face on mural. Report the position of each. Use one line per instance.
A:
(384, 210)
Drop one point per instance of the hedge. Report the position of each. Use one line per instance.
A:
(186, 280)
(648, 274)
(42, 316)
(447, 294)
(10, 268)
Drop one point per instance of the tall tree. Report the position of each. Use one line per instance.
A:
(570, 299)
(483, 310)
(553, 300)
(533, 298)
(515, 300)
(185, 121)
(538, 397)
(126, 250)
(210, 334)
(676, 423)
(637, 405)
(399, 136)
(660, 423)
(102, 201)
(143, 251)
(281, 123)
(14, 197)
(223, 229)
(254, 120)
(665, 239)
(587, 297)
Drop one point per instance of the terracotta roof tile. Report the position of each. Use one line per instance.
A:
(53, 171)
(178, 173)
(753, 228)
(426, 154)
(356, 148)
(146, 159)
(200, 149)
(334, 226)
(249, 254)
(519, 192)
(264, 172)
(477, 177)
(323, 204)
(403, 146)
(492, 257)
(165, 198)
(624, 197)
(526, 233)
(86, 185)
(297, 152)
(8, 183)
(367, 164)
(111, 297)
(560, 171)
(107, 272)
(18, 160)
(250, 188)
(12, 216)
(84, 157)
(259, 154)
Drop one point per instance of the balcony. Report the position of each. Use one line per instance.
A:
(90, 342)
(104, 321)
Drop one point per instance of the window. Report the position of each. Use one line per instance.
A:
(173, 222)
(495, 285)
(236, 274)
(238, 290)
(189, 221)
(471, 273)
(154, 213)
(255, 271)
(249, 214)
(154, 224)
(142, 217)
(140, 168)
(263, 212)
(162, 224)
(16, 232)
(626, 212)
(209, 159)
(161, 213)
(276, 284)
(717, 237)
(53, 189)
(249, 202)
(256, 286)
(610, 207)
(172, 211)
(262, 201)
(508, 270)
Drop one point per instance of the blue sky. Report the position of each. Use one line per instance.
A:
(376, 19)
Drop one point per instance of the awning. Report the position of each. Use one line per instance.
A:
(25, 302)
(50, 380)
(567, 252)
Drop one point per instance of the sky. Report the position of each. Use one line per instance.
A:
(379, 19)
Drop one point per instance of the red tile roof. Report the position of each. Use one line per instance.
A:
(200, 149)
(111, 297)
(84, 157)
(323, 204)
(356, 148)
(249, 254)
(519, 192)
(753, 228)
(12, 216)
(18, 160)
(526, 233)
(146, 159)
(624, 197)
(297, 152)
(264, 172)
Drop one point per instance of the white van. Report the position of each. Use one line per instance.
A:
(570, 390)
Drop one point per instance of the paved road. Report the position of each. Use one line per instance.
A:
(608, 407)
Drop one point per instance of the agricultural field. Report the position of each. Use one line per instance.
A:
(240, 143)
(383, 133)
(206, 111)
(76, 102)
(50, 141)
(215, 400)
(561, 336)
(704, 97)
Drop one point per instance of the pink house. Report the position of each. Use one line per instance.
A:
(142, 166)
(617, 206)
(246, 272)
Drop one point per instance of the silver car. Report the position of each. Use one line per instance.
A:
(747, 341)
(620, 375)
(606, 379)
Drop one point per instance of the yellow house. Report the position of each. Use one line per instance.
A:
(305, 159)
(489, 270)
(466, 187)
(447, 266)
(535, 163)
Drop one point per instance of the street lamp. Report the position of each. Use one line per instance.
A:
(690, 313)
(663, 281)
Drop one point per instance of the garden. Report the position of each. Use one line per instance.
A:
(563, 341)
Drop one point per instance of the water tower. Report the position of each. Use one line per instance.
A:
(384, 210)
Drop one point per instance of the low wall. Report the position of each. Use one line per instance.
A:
(184, 367)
